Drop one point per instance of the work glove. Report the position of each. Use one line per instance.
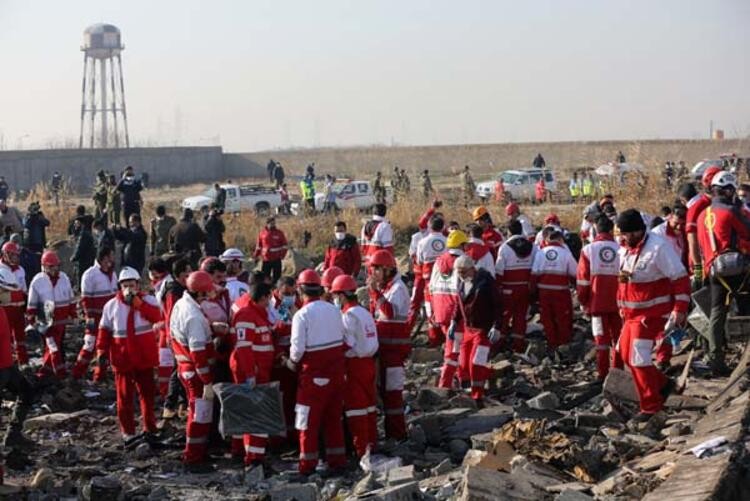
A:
(208, 392)
(452, 331)
(493, 336)
(697, 281)
(290, 365)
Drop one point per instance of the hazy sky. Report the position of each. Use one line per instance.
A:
(269, 74)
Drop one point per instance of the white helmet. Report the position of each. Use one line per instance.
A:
(8, 279)
(232, 255)
(128, 273)
(724, 180)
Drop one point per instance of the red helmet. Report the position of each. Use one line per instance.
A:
(512, 208)
(11, 248)
(200, 281)
(383, 258)
(330, 275)
(207, 261)
(552, 219)
(708, 175)
(344, 283)
(308, 277)
(50, 258)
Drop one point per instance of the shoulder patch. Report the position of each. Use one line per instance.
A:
(607, 254)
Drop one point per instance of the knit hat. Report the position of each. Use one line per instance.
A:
(630, 220)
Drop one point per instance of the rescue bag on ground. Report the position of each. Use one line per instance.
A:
(257, 410)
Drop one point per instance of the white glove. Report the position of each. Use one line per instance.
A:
(493, 336)
(250, 382)
(290, 365)
(208, 392)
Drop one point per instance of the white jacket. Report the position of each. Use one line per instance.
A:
(95, 284)
(19, 273)
(236, 288)
(360, 332)
(41, 291)
(430, 247)
(188, 325)
(316, 326)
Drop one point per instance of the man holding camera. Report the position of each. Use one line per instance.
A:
(723, 234)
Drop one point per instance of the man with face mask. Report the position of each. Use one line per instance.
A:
(343, 251)
(673, 230)
(252, 356)
(217, 309)
(361, 338)
(233, 259)
(126, 341)
(130, 188)
(389, 305)
(271, 247)
(654, 291)
(53, 285)
(326, 280)
(14, 306)
(98, 286)
(191, 336)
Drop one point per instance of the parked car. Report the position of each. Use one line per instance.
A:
(261, 199)
(518, 183)
(352, 195)
(699, 168)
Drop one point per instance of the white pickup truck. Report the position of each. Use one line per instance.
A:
(351, 195)
(261, 199)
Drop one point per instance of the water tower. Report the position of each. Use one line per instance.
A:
(102, 45)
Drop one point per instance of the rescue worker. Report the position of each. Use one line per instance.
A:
(480, 308)
(513, 274)
(317, 353)
(653, 285)
(14, 307)
(540, 191)
(191, 334)
(427, 190)
(98, 286)
(377, 234)
(160, 227)
(252, 358)
(217, 309)
(552, 272)
(360, 334)
(429, 249)
(285, 302)
(490, 235)
(307, 191)
(596, 285)
(588, 187)
(723, 228)
(389, 305)
(513, 211)
(175, 401)
(233, 259)
(574, 188)
(673, 230)
(343, 251)
(445, 303)
(479, 251)
(51, 285)
(695, 207)
(326, 280)
(499, 191)
(271, 247)
(127, 342)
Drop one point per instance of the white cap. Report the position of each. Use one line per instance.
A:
(8, 279)
(232, 255)
(128, 273)
(463, 262)
(724, 179)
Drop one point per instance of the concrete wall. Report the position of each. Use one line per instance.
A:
(173, 166)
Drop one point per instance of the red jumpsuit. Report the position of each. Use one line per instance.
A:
(377, 234)
(657, 285)
(191, 336)
(429, 249)
(15, 313)
(512, 274)
(360, 335)
(551, 273)
(493, 239)
(344, 254)
(97, 288)
(126, 338)
(44, 288)
(317, 348)
(389, 307)
(597, 283)
(252, 358)
(445, 301)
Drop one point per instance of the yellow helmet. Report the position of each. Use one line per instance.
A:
(456, 239)
(478, 213)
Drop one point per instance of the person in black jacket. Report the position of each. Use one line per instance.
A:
(186, 238)
(35, 228)
(85, 250)
(279, 175)
(130, 187)
(134, 239)
(214, 227)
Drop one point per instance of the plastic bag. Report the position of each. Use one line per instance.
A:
(377, 463)
(244, 410)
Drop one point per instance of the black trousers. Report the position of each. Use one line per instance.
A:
(272, 269)
(12, 381)
(716, 335)
(175, 393)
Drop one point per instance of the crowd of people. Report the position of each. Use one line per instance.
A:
(203, 317)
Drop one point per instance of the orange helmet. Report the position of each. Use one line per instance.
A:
(11, 248)
(344, 283)
(50, 258)
(552, 219)
(383, 258)
(200, 281)
(709, 174)
(512, 208)
(479, 213)
(308, 277)
(330, 275)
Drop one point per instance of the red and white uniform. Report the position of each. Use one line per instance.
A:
(44, 288)
(658, 285)
(191, 335)
(597, 283)
(166, 357)
(317, 347)
(552, 272)
(481, 252)
(361, 336)
(252, 359)
(345, 254)
(377, 234)
(726, 226)
(695, 208)
(445, 305)
(677, 239)
(14, 311)
(389, 308)
(418, 290)
(513, 274)
(493, 239)
(97, 288)
(271, 245)
(126, 337)
(429, 249)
